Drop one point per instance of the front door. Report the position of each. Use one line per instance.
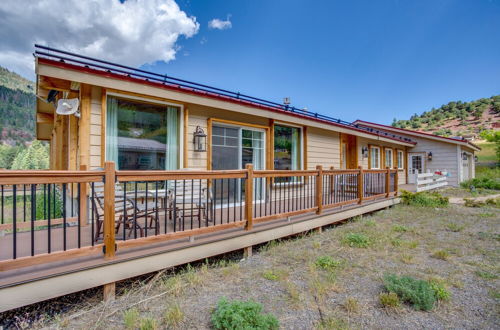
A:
(415, 166)
(232, 148)
(348, 152)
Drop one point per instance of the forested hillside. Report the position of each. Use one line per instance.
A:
(456, 118)
(17, 109)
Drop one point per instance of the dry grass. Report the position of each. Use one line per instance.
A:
(289, 281)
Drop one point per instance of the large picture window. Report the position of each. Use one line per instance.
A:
(286, 148)
(374, 157)
(142, 136)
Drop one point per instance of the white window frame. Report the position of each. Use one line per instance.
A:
(401, 165)
(391, 165)
(377, 167)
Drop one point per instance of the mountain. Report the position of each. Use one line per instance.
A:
(17, 109)
(457, 118)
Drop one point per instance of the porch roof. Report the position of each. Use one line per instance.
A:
(75, 62)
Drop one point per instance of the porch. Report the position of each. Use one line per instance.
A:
(154, 213)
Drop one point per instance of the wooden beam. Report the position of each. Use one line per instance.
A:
(55, 84)
(44, 118)
(109, 210)
(361, 177)
(108, 291)
(104, 107)
(319, 189)
(84, 125)
(185, 140)
(249, 197)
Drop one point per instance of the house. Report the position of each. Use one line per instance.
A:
(435, 153)
(154, 171)
(145, 121)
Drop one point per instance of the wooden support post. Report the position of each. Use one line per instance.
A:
(108, 291)
(247, 252)
(361, 178)
(83, 193)
(84, 125)
(109, 210)
(318, 230)
(319, 189)
(387, 182)
(332, 180)
(396, 181)
(249, 197)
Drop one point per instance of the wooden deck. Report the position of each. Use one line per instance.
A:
(228, 240)
(49, 259)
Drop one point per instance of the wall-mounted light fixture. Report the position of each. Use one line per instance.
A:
(476, 159)
(464, 156)
(200, 140)
(364, 152)
(429, 156)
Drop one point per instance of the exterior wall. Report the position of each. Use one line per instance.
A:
(323, 148)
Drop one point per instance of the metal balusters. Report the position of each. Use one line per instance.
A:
(64, 214)
(33, 218)
(14, 221)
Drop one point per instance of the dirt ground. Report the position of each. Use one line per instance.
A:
(455, 245)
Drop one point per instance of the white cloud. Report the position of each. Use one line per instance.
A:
(133, 33)
(220, 24)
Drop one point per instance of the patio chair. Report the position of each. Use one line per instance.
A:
(190, 200)
(126, 210)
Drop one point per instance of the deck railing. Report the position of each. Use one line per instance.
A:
(50, 216)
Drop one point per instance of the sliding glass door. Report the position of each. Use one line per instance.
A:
(232, 148)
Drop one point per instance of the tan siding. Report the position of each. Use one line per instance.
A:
(95, 127)
(323, 148)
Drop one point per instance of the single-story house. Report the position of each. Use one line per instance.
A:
(128, 115)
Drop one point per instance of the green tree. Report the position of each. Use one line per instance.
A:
(7, 155)
(35, 157)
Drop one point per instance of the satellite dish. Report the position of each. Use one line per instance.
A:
(68, 107)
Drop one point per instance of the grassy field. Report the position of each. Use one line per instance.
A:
(329, 280)
(487, 153)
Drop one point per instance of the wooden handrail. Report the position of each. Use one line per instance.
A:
(319, 189)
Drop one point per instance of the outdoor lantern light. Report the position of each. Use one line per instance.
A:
(429, 156)
(476, 159)
(200, 140)
(364, 152)
(464, 156)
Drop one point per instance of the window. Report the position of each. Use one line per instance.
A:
(388, 158)
(400, 159)
(142, 136)
(374, 157)
(286, 148)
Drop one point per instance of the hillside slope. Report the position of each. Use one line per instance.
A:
(17, 109)
(456, 118)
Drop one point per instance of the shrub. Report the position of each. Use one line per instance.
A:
(441, 254)
(454, 227)
(424, 198)
(131, 318)
(270, 275)
(173, 316)
(242, 315)
(418, 293)
(440, 291)
(400, 228)
(148, 323)
(327, 263)
(357, 240)
(389, 299)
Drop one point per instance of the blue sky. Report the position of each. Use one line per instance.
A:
(374, 60)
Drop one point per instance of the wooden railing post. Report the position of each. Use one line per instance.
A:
(83, 207)
(387, 181)
(249, 197)
(396, 181)
(319, 189)
(109, 209)
(332, 180)
(360, 185)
